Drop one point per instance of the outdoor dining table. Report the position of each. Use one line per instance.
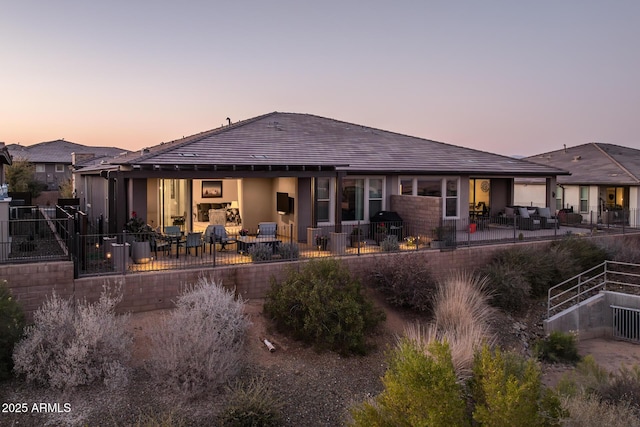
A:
(175, 239)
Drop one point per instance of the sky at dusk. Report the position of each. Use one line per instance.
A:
(508, 77)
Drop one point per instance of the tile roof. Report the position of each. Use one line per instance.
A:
(594, 163)
(58, 151)
(290, 139)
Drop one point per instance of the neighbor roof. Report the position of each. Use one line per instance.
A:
(58, 151)
(594, 163)
(293, 140)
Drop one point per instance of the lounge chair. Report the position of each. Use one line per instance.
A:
(547, 220)
(528, 220)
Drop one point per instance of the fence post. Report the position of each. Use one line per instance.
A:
(213, 251)
(74, 257)
(358, 238)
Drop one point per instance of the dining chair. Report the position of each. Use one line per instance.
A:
(194, 240)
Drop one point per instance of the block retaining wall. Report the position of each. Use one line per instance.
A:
(32, 283)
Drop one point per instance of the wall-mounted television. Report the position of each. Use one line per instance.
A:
(284, 203)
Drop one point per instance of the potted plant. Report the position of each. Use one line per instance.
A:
(381, 232)
(444, 236)
(356, 237)
(139, 232)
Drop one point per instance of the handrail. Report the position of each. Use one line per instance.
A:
(602, 279)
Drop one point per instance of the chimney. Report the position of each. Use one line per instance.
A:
(80, 157)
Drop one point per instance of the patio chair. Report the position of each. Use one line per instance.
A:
(172, 231)
(208, 238)
(267, 229)
(220, 235)
(194, 240)
(159, 244)
(547, 220)
(527, 220)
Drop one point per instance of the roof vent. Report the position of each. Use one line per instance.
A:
(576, 158)
(188, 154)
(259, 156)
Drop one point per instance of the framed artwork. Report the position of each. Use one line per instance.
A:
(211, 189)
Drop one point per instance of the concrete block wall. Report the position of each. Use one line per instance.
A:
(419, 214)
(32, 283)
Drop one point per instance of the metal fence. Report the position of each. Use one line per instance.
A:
(34, 236)
(69, 236)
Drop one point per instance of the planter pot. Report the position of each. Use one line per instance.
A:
(322, 245)
(357, 241)
(141, 252)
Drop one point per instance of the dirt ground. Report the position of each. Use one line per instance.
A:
(316, 389)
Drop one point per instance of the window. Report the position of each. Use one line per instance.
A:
(40, 168)
(559, 197)
(375, 195)
(324, 200)
(584, 199)
(406, 187)
(59, 168)
(430, 187)
(451, 199)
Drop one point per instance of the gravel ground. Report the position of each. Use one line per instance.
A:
(316, 389)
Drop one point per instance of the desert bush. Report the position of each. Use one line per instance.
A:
(199, 345)
(251, 403)
(586, 378)
(260, 252)
(323, 305)
(585, 253)
(623, 387)
(289, 251)
(11, 326)
(621, 249)
(162, 419)
(420, 388)
(507, 391)
(557, 347)
(405, 281)
(511, 291)
(69, 346)
(390, 244)
(590, 411)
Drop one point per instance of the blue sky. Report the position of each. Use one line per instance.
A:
(508, 77)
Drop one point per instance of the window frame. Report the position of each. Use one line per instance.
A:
(59, 168)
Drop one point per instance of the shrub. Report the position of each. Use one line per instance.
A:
(289, 251)
(623, 387)
(461, 318)
(11, 327)
(511, 292)
(324, 306)
(405, 281)
(508, 391)
(420, 389)
(67, 347)
(251, 404)
(200, 343)
(260, 252)
(590, 411)
(586, 253)
(557, 347)
(390, 244)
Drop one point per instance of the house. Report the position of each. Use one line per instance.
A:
(53, 159)
(330, 172)
(603, 187)
(5, 159)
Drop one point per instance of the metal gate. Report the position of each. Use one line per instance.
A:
(626, 323)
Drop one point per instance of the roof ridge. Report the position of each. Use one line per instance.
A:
(617, 163)
(177, 143)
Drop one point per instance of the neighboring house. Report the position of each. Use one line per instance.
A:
(53, 159)
(604, 185)
(331, 172)
(5, 159)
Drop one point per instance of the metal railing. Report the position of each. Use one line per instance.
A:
(610, 275)
(68, 236)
